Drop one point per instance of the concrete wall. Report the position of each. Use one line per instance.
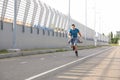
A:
(6, 36)
(28, 40)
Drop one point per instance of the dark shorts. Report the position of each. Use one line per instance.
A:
(74, 41)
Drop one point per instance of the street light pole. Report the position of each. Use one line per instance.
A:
(14, 30)
(14, 24)
(85, 18)
(95, 40)
(69, 21)
(100, 26)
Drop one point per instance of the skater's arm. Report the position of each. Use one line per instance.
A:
(79, 34)
(69, 35)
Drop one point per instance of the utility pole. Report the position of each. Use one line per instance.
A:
(14, 24)
(85, 18)
(69, 20)
(95, 40)
(14, 49)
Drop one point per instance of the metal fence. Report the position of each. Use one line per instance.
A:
(34, 13)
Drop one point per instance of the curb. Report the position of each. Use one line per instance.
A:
(9, 55)
(26, 53)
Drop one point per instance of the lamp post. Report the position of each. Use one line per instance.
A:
(85, 18)
(14, 30)
(95, 40)
(14, 24)
(69, 21)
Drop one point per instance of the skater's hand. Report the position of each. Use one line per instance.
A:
(80, 39)
(69, 40)
(70, 37)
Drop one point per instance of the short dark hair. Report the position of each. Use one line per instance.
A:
(73, 25)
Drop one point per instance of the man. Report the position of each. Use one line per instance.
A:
(73, 35)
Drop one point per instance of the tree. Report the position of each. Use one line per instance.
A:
(113, 40)
(103, 34)
(111, 35)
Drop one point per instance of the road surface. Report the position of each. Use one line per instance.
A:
(92, 64)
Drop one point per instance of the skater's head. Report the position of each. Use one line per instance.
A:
(73, 26)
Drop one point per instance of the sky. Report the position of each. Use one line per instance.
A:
(102, 15)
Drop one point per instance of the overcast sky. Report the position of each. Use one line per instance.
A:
(107, 13)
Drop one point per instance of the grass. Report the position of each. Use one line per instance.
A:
(37, 49)
(114, 44)
(60, 50)
(87, 47)
(3, 51)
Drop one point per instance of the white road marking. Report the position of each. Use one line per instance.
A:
(72, 73)
(79, 71)
(54, 69)
(23, 62)
(54, 56)
(42, 58)
(68, 77)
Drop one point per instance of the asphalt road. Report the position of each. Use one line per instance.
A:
(57, 66)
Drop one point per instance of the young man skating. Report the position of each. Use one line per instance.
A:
(74, 34)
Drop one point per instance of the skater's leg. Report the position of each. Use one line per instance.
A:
(76, 50)
(76, 47)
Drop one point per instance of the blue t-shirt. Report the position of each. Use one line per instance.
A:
(74, 32)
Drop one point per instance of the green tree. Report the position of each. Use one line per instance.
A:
(111, 35)
(103, 34)
(113, 39)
